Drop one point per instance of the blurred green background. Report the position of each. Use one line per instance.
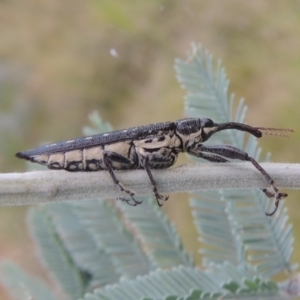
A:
(60, 60)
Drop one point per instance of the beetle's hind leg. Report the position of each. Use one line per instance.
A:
(107, 157)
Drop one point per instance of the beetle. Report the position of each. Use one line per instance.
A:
(154, 146)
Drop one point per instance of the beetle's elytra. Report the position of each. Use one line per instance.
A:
(154, 146)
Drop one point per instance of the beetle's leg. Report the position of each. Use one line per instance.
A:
(212, 158)
(219, 159)
(113, 156)
(135, 203)
(159, 159)
(235, 153)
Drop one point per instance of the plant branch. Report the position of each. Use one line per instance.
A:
(56, 186)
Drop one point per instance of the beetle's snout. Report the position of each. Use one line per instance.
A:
(238, 126)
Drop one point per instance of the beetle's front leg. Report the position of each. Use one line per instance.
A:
(218, 159)
(108, 158)
(235, 153)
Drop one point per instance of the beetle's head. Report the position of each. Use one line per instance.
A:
(194, 130)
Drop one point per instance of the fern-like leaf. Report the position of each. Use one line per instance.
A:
(158, 237)
(22, 285)
(81, 247)
(237, 227)
(109, 234)
(54, 255)
(220, 282)
(97, 125)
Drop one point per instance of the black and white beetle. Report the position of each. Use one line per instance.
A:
(154, 146)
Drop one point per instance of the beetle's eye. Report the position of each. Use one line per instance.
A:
(207, 123)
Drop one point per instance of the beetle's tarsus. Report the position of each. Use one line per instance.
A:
(160, 197)
(279, 196)
(268, 193)
(135, 202)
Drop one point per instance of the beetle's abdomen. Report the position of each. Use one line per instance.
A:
(86, 159)
(90, 159)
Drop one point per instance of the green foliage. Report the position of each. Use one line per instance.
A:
(97, 249)
(157, 235)
(189, 283)
(22, 285)
(109, 233)
(98, 125)
(232, 223)
(54, 255)
(85, 251)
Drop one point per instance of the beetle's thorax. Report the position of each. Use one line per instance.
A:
(189, 140)
(190, 132)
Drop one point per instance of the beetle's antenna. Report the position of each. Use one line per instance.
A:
(268, 131)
